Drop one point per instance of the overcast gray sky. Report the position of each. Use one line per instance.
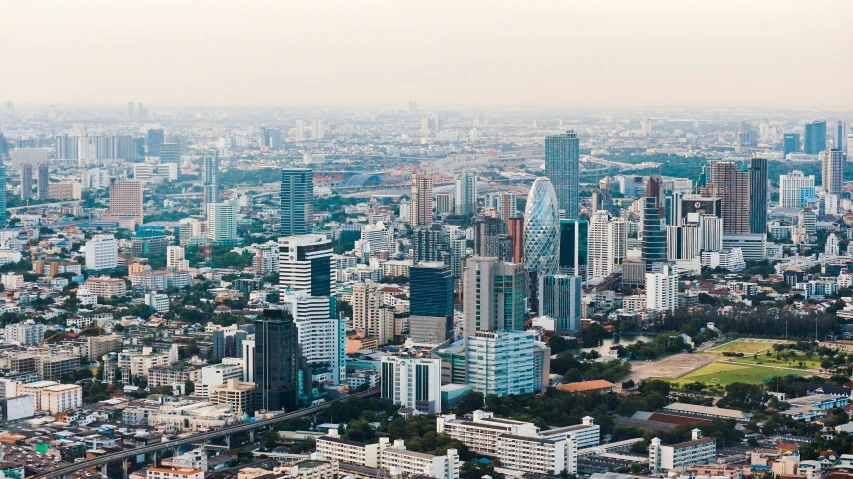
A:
(531, 53)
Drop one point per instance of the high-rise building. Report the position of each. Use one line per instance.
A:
(662, 290)
(832, 171)
(141, 111)
(429, 244)
(431, 302)
(155, 141)
(841, 135)
(790, 143)
(318, 129)
(541, 229)
(277, 361)
(486, 236)
(794, 188)
(515, 228)
(607, 244)
(682, 242)
(562, 163)
(271, 138)
(466, 193)
(574, 247)
(125, 201)
(815, 138)
(2, 196)
(710, 233)
(502, 363)
(222, 222)
(370, 315)
(758, 196)
(297, 197)
(209, 172)
(101, 253)
(305, 264)
(412, 382)
(171, 153)
(493, 295)
(420, 204)
(299, 130)
(444, 204)
(560, 300)
(27, 181)
(654, 234)
(731, 184)
(43, 187)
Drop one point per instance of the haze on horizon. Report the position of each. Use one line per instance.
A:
(536, 54)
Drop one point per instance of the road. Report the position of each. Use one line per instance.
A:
(195, 439)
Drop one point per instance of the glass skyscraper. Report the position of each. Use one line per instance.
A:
(654, 233)
(791, 143)
(815, 141)
(155, 141)
(431, 301)
(277, 361)
(562, 157)
(297, 197)
(541, 229)
(209, 172)
(574, 245)
(758, 196)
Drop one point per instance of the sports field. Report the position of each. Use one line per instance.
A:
(745, 346)
(724, 374)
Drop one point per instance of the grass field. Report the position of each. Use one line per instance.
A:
(725, 374)
(783, 362)
(749, 346)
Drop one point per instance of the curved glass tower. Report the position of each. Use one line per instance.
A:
(542, 229)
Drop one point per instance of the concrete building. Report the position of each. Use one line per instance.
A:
(412, 382)
(101, 253)
(678, 457)
(420, 203)
(662, 290)
(305, 264)
(125, 202)
(493, 295)
(222, 222)
(832, 170)
(237, 393)
(794, 188)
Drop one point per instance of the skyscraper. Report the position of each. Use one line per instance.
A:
(155, 140)
(790, 143)
(43, 181)
(560, 300)
(171, 153)
(297, 198)
(832, 171)
(654, 234)
(466, 193)
(222, 222)
(369, 314)
(125, 201)
(662, 290)
(607, 244)
(271, 138)
(277, 361)
(541, 229)
(562, 157)
(493, 295)
(2, 196)
(486, 232)
(758, 196)
(794, 188)
(305, 264)
(209, 172)
(515, 228)
(841, 136)
(731, 184)
(299, 130)
(420, 205)
(318, 129)
(26, 181)
(429, 243)
(431, 302)
(574, 246)
(815, 141)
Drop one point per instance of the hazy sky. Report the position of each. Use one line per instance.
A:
(523, 53)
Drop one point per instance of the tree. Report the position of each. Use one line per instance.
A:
(189, 387)
(477, 469)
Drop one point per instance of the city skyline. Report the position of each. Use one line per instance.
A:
(608, 54)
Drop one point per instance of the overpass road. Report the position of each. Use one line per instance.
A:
(64, 470)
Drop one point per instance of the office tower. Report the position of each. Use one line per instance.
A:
(412, 382)
(27, 181)
(515, 228)
(209, 172)
(299, 130)
(710, 233)
(271, 138)
(431, 302)
(758, 196)
(486, 233)
(305, 264)
(731, 184)
(101, 252)
(815, 138)
(662, 290)
(560, 300)
(562, 161)
(444, 204)
(222, 222)
(794, 188)
(832, 171)
(171, 153)
(318, 129)
(674, 208)
(297, 199)
(607, 244)
(493, 295)
(466, 193)
(369, 314)
(277, 361)
(541, 229)
(413, 108)
(420, 204)
(155, 141)
(654, 234)
(503, 363)
(682, 242)
(123, 147)
(574, 247)
(841, 136)
(790, 143)
(429, 244)
(125, 201)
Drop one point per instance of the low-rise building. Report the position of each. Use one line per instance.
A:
(678, 457)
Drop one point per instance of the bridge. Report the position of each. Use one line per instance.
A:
(225, 432)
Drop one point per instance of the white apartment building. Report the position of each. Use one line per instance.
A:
(106, 287)
(12, 281)
(710, 233)
(731, 260)
(608, 239)
(586, 434)
(412, 382)
(678, 457)
(137, 363)
(519, 445)
(175, 258)
(25, 333)
(662, 290)
(61, 397)
(222, 221)
(217, 375)
(324, 341)
(392, 458)
(101, 253)
(501, 363)
(158, 472)
(157, 301)
(794, 188)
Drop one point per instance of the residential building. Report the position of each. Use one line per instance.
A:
(678, 457)
(795, 188)
(466, 193)
(237, 393)
(412, 382)
(222, 222)
(209, 174)
(125, 202)
(662, 290)
(101, 253)
(493, 295)
(731, 184)
(560, 299)
(562, 163)
(420, 203)
(832, 171)
(370, 315)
